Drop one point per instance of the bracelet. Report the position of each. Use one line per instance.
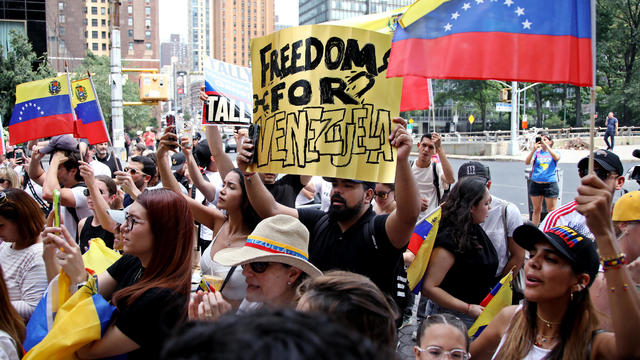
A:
(613, 262)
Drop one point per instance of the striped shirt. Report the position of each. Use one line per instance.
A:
(24, 275)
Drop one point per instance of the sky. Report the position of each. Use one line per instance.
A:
(173, 16)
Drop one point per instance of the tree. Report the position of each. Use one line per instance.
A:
(479, 93)
(135, 117)
(21, 65)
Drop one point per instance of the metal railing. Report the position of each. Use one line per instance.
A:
(505, 135)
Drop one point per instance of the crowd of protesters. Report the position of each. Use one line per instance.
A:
(297, 279)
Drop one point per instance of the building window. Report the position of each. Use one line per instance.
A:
(104, 34)
(147, 46)
(61, 19)
(147, 34)
(104, 46)
(94, 46)
(130, 21)
(103, 10)
(94, 22)
(147, 23)
(147, 11)
(60, 5)
(130, 32)
(94, 1)
(130, 9)
(61, 30)
(130, 46)
(84, 21)
(94, 34)
(86, 34)
(84, 10)
(94, 10)
(104, 22)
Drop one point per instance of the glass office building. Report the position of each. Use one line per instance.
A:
(319, 11)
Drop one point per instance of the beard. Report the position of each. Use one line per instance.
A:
(343, 212)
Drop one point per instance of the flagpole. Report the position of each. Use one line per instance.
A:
(592, 104)
(104, 123)
(66, 71)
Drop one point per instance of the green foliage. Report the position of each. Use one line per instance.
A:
(21, 65)
(135, 117)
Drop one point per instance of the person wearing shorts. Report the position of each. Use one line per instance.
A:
(544, 179)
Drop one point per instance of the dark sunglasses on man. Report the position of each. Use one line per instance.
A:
(383, 195)
(600, 173)
(87, 193)
(132, 171)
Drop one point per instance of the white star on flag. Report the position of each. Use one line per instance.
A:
(455, 15)
(447, 27)
(526, 24)
(466, 6)
(479, 2)
(520, 11)
(508, 2)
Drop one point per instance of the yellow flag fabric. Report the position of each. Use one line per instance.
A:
(499, 298)
(384, 22)
(99, 257)
(423, 238)
(419, 9)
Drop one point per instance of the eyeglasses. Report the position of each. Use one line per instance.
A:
(436, 352)
(383, 195)
(129, 221)
(132, 171)
(600, 173)
(2, 181)
(86, 192)
(257, 267)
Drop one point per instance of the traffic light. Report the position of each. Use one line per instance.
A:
(153, 87)
(505, 95)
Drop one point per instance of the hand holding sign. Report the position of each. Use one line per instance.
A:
(401, 139)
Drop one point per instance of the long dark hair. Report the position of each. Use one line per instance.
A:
(249, 214)
(10, 320)
(456, 212)
(171, 225)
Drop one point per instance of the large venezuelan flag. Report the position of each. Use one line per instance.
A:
(499, 298)
(90, 123)
(421, 244)
(43, 109)
(515, 40)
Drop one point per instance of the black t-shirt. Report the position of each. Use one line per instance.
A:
(110, 161)
(89, 232)
(150, 319)
(472, 276)
(286, 189)
(373, 256)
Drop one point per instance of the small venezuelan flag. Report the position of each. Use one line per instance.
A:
(43, 109)
(499, 298)
(90, 123)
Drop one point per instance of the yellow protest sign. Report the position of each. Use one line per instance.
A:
(323, 103)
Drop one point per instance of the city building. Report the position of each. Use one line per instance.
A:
(27, 17)
(174, 48)
(319, 11)
(223, 29)
(75, 27)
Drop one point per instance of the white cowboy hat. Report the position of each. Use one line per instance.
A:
(281, 238)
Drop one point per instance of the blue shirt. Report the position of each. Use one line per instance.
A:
(544, 167)
(611, 125)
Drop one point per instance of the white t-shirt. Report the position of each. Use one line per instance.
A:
(424, 180)
(494, 227)
(325, 195)
(7, 347)
(100, 168)
(317, 185)
(24, 275)
(82, 210)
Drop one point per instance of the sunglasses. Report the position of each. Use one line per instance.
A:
(3, 180)
(383, 195)
(133, 171)
(257, 267)
(86, 192)
(600, 173)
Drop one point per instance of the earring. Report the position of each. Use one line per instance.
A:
(571, 295)
(289, 283)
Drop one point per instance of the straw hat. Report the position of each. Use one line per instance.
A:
(281, 238)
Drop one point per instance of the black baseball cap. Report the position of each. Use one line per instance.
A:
(575, 247)
(367, 184)
(474, 168)
(177, 160)
(608, 160)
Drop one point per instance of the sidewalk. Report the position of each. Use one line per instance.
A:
(566, 155)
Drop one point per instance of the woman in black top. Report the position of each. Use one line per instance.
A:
(463, 263)
(149, 285)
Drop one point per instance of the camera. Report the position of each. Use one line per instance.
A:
(538, 139)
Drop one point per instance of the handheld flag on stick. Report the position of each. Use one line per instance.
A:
(3, 149)
(90, 123)
(43, 109)
(460, 39)
(499, 298)
(421, 244)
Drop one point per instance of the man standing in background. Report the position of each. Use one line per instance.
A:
(612, 130)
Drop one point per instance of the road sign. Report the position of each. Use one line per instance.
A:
(503, 107)
(471, 119)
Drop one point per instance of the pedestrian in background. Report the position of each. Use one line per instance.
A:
(544, 177)
(612, 130)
